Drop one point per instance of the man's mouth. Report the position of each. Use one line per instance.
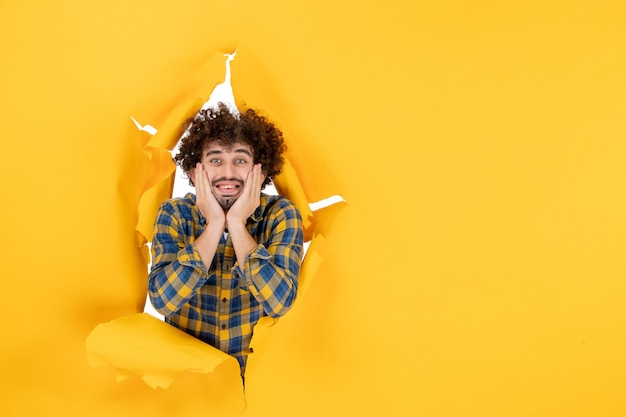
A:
(228, 187)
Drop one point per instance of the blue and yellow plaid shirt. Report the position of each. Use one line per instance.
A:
(221, 303)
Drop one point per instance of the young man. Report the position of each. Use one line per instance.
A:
(226, 256)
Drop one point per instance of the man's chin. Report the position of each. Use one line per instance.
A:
(226, 202)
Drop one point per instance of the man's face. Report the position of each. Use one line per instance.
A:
(227, 167)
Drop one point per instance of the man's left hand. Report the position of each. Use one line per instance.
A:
(249, 199)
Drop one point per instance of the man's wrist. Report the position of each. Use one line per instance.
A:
(236, 226)
(214, 227)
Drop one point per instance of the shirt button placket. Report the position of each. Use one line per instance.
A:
(225, 266)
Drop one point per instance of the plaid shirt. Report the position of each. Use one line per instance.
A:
(220, 303)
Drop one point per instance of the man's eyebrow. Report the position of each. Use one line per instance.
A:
(243, 150)
(237, 150)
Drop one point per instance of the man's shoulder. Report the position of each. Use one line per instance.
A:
(276, 201)
(177, 204)
(278, 205)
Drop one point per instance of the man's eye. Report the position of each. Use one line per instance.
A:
(214, 161)
(241, 161)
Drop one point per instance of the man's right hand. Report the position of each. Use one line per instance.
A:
(206, 201)
(209, 239)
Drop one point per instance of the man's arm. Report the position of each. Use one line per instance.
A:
(238, 215)
(208, 241)
(181, 265)
(270, 271)
(178, 270)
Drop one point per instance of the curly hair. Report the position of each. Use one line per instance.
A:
(221, 126)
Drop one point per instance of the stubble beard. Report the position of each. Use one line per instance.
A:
(226, 203)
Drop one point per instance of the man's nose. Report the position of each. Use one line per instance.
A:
(228, 171)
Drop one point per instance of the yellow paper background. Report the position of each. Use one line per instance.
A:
(477, 269)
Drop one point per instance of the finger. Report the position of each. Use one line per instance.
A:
(252, 181)
(208, 180)
(199, 179)
(203, 189)
(258, 179)
(262, 174)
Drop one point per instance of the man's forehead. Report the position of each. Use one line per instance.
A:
(216, 146)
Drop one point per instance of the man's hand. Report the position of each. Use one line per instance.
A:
(206, 201)
(243, 208)
(249, 199)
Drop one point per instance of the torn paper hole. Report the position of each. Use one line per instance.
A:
(147, 128)
(223, 93)
(327, 202)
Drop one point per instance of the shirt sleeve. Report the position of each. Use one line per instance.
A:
(177, 269)
(270, 272)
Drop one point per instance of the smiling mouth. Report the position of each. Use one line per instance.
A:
(228, 187)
